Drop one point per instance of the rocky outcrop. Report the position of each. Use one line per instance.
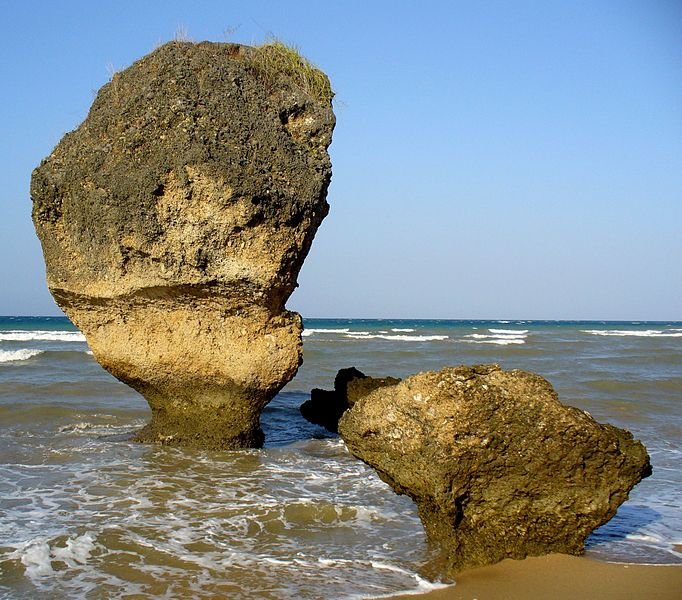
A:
(325, 407)
(498, 467)
(174, 221)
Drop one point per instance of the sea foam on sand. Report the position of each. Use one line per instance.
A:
(37, 556)
(562, 577)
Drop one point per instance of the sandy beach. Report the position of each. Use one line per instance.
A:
(561, 577)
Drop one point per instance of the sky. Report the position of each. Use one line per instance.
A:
(491, 159)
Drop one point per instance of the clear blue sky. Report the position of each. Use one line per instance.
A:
(492, 159)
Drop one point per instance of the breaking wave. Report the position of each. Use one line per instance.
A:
(366, 335)
(309, 332)
(41, 336)
(499, 337)
(7, 356)
(397, 335)
(635, 332)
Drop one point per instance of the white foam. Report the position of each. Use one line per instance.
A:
(41, 336)
(642, 537)
(405, 330)
(308, 332)
(496, 341)
(423, 587)
(77, 550)
(75, 427)
(388, 567)
(18, 355)
(499, 337)
(399, 338)
(85, 428)
(364, 514)
(635, 332)
(276, 561)
(509, 331)
(35, 556)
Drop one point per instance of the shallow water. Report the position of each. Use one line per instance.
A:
(86, 513)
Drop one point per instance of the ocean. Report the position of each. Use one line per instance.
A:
(86, 513)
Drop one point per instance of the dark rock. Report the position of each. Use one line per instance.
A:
(325, 407)
(344, 377)
(498, 467)
(174, 222)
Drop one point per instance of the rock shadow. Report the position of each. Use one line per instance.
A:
(283, 424)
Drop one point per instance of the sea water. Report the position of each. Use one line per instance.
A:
(86, 513)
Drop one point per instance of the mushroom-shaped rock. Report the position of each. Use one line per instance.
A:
(174, 221)
(498, 467)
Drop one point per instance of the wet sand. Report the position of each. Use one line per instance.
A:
(562, 577)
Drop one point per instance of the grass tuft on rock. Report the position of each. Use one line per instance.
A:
(275, 58)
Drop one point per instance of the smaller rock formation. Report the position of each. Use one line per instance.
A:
(325, 407)
(498, 467)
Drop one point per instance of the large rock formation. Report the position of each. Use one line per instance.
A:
(174, 222)
(498, 467)
(325, 407)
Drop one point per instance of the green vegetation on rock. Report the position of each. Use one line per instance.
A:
(276, 58)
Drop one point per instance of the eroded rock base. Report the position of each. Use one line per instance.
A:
(206, 374)
(209, 419)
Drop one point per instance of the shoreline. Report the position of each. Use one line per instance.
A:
(561, 577)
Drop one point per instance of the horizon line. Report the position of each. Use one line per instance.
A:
(481, 319)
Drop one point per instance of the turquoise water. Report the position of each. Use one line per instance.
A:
(84, 512)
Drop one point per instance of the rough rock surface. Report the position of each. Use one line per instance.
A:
(498, 467)
(325, 407)
(174, 221)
